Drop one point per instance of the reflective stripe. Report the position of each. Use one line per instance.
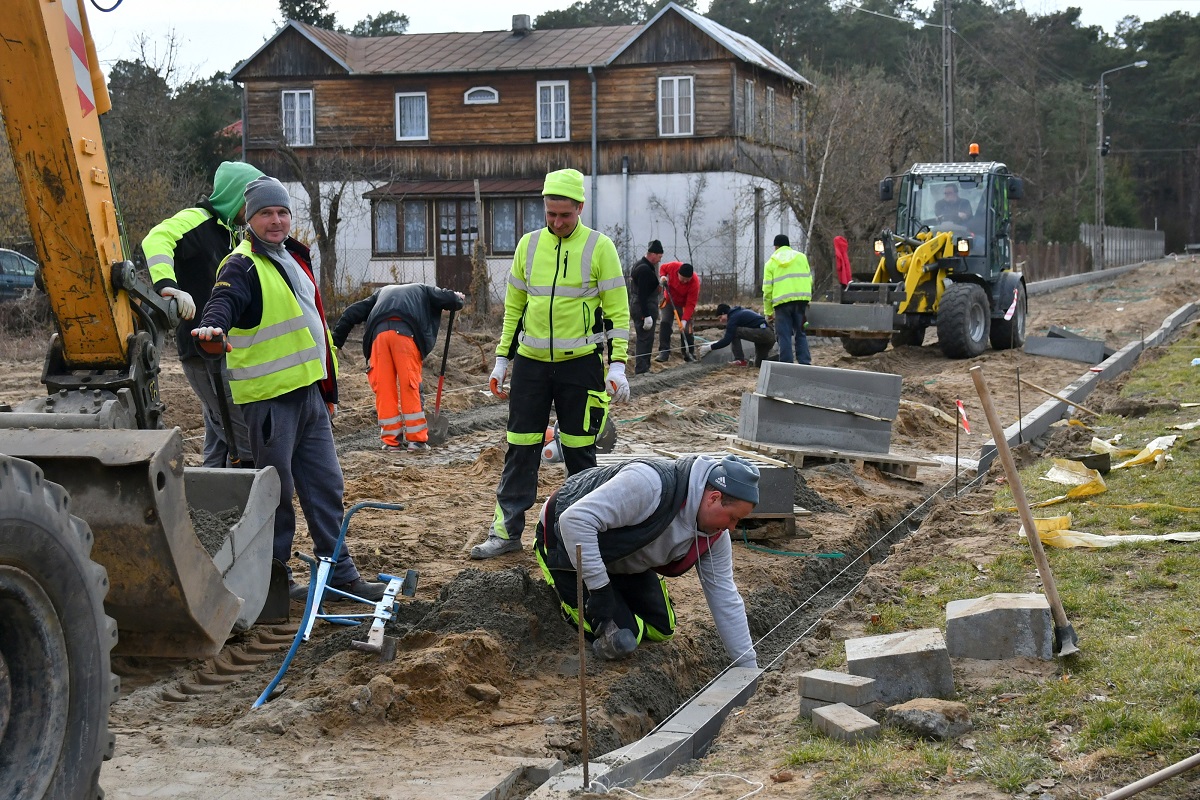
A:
(785, 298)
(611, 283)
(585, 263)
(277, 365)
(517, 283)
(563, 344)
(525, 438)
(564, 291)
(389, 421)
(393, 428)
(410, 428)
(801, 275)
(569, 440)
(530, 251)
(418, 415)
(268, 332)
(154, 261)
(618, 334)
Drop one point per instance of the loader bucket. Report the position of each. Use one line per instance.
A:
(169, 597)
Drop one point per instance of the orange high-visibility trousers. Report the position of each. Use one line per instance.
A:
(396, 364)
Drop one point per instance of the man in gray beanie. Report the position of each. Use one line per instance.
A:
(639, 522)
(283, 374)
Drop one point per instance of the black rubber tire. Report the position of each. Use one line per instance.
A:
(909, 337)
(1009, 334)
(863, 347)
(963, 321)
(55, 680)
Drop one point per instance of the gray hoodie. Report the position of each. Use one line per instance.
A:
(630, 497)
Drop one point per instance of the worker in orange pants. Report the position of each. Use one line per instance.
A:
(402, 324)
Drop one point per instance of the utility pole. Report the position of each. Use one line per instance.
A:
(947, 85)
(1101, 152)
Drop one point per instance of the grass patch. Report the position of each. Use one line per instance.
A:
(1129, 702)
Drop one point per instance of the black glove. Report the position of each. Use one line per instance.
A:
(601, 605)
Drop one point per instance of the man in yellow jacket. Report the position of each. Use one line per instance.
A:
(787, 290)
(565, 307)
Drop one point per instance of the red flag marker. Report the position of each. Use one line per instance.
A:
(962, 412)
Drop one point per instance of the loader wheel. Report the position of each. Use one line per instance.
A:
(909, 337)
(863, 347)
(1010, 333)
(55, 684)
(963, 321)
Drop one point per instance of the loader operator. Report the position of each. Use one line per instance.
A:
(952, 208)
(283, 374)
(183, 253)
(640, 522)
(787, 290)
(564, 307)
(401, 328)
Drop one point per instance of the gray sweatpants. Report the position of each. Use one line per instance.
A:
(201, 374)
(292, 433)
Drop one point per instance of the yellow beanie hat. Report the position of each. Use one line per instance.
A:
(565, 183)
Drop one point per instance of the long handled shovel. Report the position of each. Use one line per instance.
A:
(439, 426)
(1064, 633)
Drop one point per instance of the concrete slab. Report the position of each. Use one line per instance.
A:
(725, 354)
(1059, 332)
(999, 626)
(809, 705)
(828, 319)
(904, 665)
(702, 718)
(765, 419)
(876, 394)
(840, 721)
(1089, 351)
(837, 687)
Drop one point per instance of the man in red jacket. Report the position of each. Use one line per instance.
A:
(682, 286)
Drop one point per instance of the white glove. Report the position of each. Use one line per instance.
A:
(187, 306)
(662, 280)
(703, 349)
(647, 323)
(618, 385)
(207, 332)
(497, 382)
(686, 325)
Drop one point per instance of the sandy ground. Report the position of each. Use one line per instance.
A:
(348, 725)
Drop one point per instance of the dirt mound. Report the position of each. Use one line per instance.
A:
(1136, 406)
(1067, 440)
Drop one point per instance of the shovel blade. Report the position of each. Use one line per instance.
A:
(439, 429)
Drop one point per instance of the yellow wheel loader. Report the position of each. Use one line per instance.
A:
(947, 263)
(98, 553)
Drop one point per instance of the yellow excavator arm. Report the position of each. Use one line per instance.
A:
(52, 93)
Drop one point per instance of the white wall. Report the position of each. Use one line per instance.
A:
(721, 237)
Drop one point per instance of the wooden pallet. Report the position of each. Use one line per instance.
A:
(798, 457)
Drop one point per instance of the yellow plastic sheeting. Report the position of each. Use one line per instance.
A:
(1167, 506)
(1056, 532)
(1155, 452)
(1110, 446)
(1186, 426)
(1065, 471)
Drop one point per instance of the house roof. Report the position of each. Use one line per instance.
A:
(505, 51)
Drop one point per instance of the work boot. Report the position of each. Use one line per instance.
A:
(614, 643)
(662, 356)
(367, 590)
(298, 592)
(688, 357)
(495, 546)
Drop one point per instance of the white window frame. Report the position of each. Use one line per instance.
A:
(488, 96)
(748, 109)
(677, 82)
(551, 85)
(294, 137)
(771, 114)
(425, 97)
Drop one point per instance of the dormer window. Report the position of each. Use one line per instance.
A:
(480, 95)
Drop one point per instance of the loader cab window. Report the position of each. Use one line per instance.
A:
(954, 203)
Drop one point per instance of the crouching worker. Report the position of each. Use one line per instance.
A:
(640, 522)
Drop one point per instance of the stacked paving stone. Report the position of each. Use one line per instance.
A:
(839, 409)
(841, 706)
(998, 626)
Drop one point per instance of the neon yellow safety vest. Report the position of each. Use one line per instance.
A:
(279, 355)
(555, 288)
(786, 279)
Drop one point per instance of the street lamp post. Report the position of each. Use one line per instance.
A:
(1100, 153)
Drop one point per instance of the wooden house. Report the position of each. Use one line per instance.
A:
(435, 141)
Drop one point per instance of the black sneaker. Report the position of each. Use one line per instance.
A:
(662, 357)
(367, 590)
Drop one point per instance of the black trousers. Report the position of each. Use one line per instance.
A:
(642, 602)
(763, 339)
(575, 388)
(666, 316)
(643, 348)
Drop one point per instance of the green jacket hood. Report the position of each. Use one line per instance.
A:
(785, 254)
(229, 188)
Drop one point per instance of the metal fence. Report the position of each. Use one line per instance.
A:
(1123, 245)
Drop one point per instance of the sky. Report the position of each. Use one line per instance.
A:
(215, 35)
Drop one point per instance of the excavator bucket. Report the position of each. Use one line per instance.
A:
(171, 594)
